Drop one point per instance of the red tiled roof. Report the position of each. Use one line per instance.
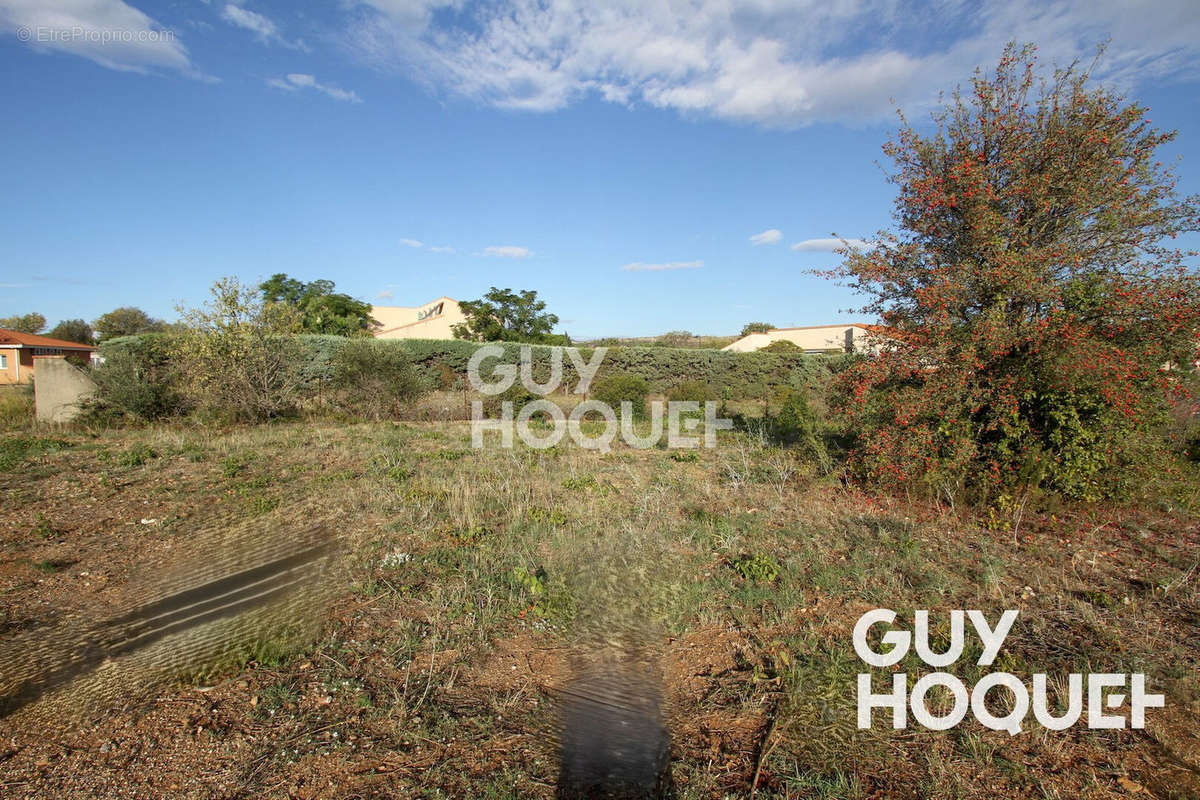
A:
(33, 340)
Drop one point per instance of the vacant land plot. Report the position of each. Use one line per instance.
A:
(476, 578)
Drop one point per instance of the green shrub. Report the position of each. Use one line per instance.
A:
(517, 394)
(135, 381)
(374, 380)
(781, 346)
(14, 451)
(137, 455)
(797, 425)
(698, 391)
(757, 567)
(622, 387)
(239, 358)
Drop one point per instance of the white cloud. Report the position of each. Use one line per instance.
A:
(252, 21)
(109, 32)
(769, 236)
(507, 251)
(827, 245)
(773, 62)
(258, 24)
(638, 266)
(447, 249)
(386, 294)
(299, 80)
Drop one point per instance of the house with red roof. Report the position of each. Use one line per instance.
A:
(19, 354)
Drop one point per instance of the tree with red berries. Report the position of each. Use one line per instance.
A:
(1040, 316)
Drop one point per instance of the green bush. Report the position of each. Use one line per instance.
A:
(797, 425)
(698, 391)
(781, 346)
(758, 567)
(622, 387)
(238, 357)
(517, 394)
(373, 379)
(135, 381)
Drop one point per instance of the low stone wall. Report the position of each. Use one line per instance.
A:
(59, 387)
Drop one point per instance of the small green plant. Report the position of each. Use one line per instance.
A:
(44, 528)
(233, 466)
(276, 697)
(137, 455)
(685, 456)
(472, 534)
(398, 474)
(548, 516)
(757, 567)
(259, 504)
(579, 482)
(534, 582)
(14, 451)
(193, 452)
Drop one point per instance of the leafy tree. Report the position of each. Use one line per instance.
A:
(24, 323)
(1033, 297)
(503, 315)
(73, 330)
(756, 327)
(322, 310)
(239, 357)
(676, 339)
(127, 321)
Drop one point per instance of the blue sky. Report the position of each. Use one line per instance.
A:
(618, 157)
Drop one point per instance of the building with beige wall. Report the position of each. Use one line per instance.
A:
(433, 320)
(19, 353)
(851, 337)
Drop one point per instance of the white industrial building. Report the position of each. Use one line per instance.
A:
(433, 320)
(852, 337)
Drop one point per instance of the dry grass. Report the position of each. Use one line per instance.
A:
(16, 408)
(475, 575)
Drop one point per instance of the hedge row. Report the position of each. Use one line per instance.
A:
(443, 364)
(736, 375)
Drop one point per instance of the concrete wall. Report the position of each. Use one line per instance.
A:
(59, 389)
